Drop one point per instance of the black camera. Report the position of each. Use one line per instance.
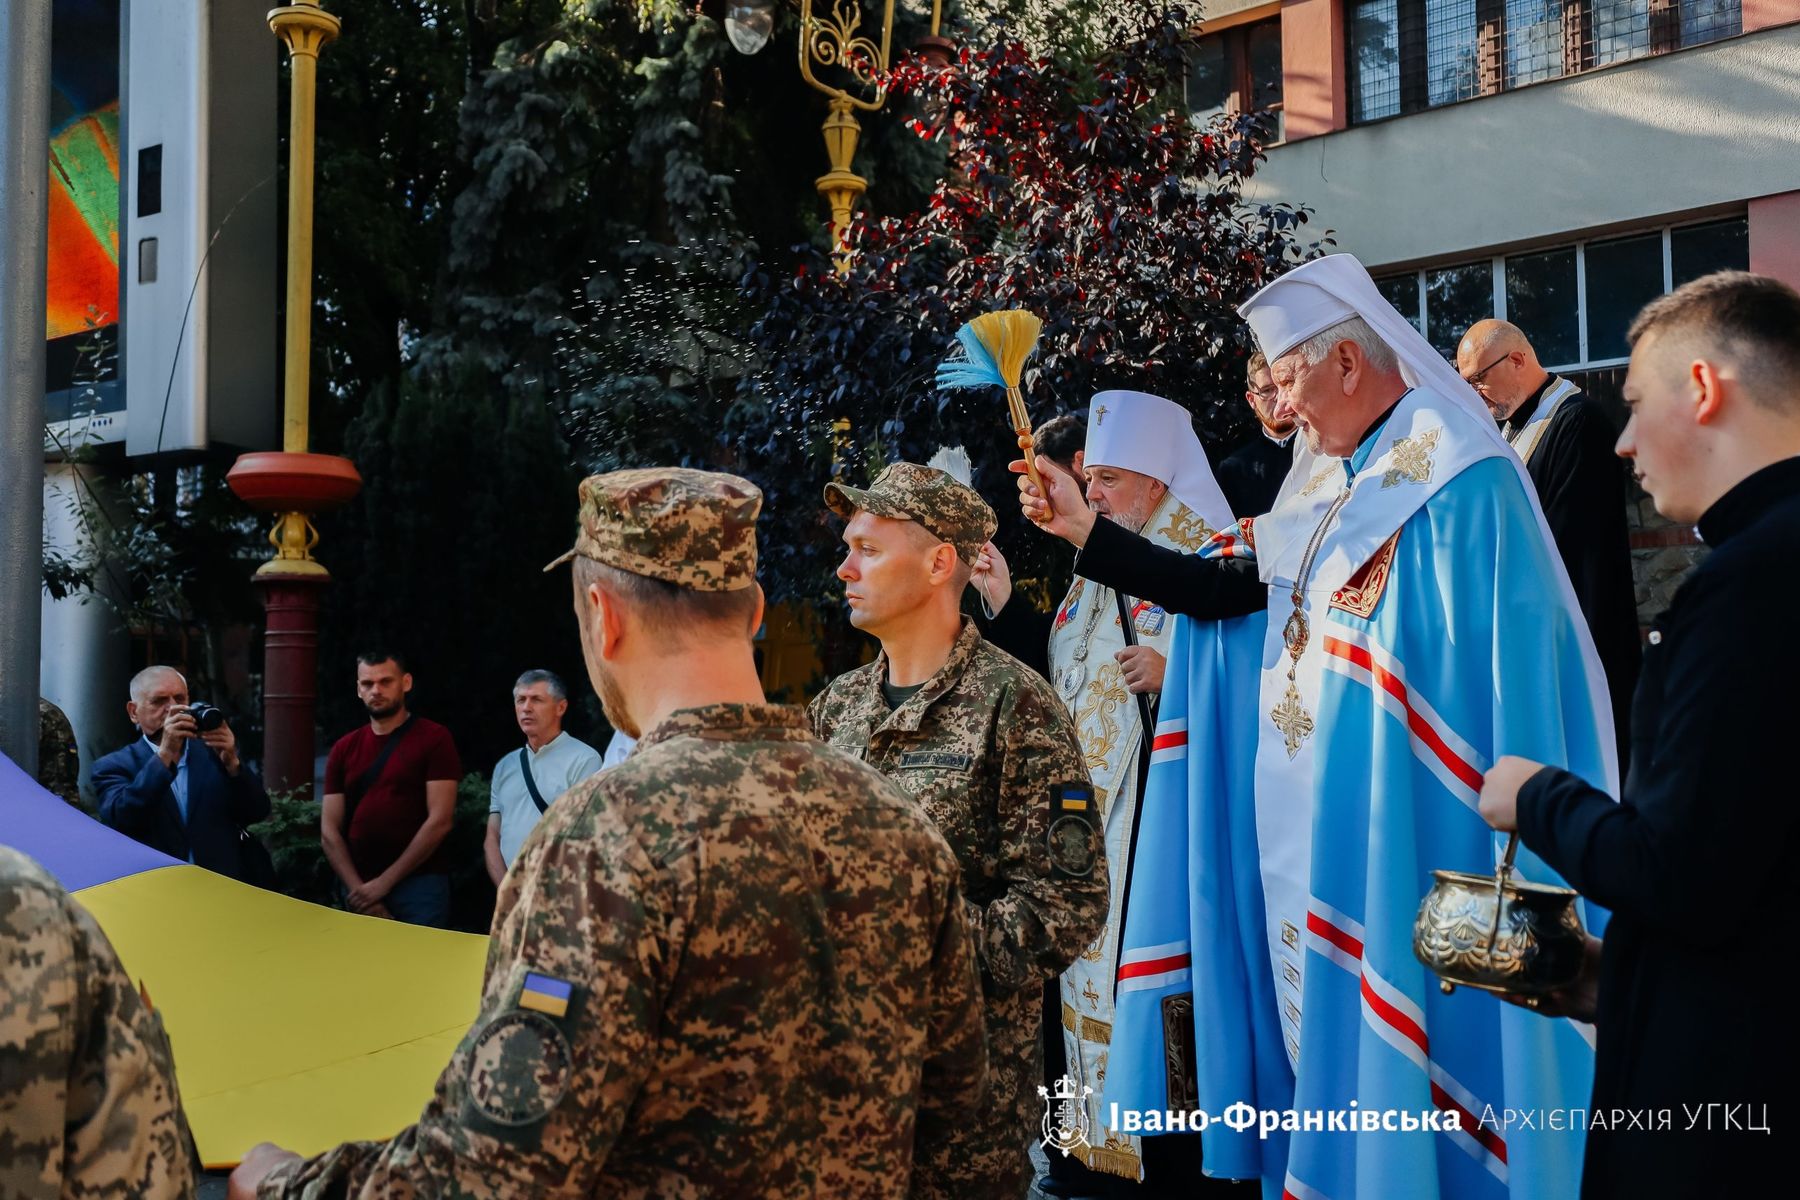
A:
(206, 717)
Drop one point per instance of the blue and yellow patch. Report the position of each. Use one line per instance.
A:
(545, 994)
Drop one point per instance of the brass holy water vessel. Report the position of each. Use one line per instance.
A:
(1499, 934)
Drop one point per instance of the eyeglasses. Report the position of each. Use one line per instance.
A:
(1264, 393)
(1475, 379)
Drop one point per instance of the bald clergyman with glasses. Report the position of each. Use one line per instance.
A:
(1566, 440)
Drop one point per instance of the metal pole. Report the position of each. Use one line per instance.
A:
(24, 232)
(305, 29)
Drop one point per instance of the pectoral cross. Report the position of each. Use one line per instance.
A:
(1292, 719)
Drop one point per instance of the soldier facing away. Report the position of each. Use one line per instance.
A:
(982, 743)
(735, 965)
(88, 1103)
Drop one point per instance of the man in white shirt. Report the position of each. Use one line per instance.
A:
(526, 781)
(619, 749)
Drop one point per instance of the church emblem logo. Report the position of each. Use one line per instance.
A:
(1065, 1124)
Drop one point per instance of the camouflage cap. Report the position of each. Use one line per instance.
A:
(950, 511)
(696, 529)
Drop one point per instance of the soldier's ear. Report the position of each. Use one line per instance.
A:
(944, 561)
(609, 621)
(756, 616)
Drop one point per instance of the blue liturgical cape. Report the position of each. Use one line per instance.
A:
(1457, 642)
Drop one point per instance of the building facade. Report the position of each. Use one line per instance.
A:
(1557, 163)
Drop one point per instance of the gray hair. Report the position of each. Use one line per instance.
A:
(1381, 356)
(142, 681)
(548, 678)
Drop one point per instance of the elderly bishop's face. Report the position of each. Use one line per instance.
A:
(1319, 393)
(1125, 497)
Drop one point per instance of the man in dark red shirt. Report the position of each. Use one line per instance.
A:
(390, 799)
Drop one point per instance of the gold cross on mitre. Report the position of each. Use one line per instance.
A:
(1100, 415)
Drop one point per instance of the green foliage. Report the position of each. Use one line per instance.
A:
(466, 497)
(546, 227)
(471, 891)
(292, 836)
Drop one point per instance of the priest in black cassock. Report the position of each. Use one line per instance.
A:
(1252, 474)
(1698, 1046)
(1566, 441)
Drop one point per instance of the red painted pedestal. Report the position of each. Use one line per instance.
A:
(290, 678)
(291, 483)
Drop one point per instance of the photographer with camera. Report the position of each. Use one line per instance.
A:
(180, 787)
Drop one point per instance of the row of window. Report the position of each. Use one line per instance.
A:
(1574, 303)
(1409, 55)
(1237, 70)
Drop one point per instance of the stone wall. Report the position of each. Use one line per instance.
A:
(1662, 554)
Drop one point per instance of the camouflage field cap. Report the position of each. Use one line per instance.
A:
(696, 529)
(950, 511)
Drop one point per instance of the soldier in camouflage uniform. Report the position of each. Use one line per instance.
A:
(737, 964)
(989, 752)
(88, 1104)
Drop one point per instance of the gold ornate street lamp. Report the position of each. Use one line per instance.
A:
(832, 38)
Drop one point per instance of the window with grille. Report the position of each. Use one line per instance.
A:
(1409, 55)
(1574, 303)
(1237, 70)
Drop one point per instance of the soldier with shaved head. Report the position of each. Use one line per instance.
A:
(985, 748)
(1566, 440)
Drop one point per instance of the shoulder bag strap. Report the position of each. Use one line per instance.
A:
(531, 786)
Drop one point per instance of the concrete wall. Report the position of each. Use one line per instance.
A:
(1212, 12)
(1775, 236)
(1682, 133)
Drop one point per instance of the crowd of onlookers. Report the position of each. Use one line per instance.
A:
(389, 796)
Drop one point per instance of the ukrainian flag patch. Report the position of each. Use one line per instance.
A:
(545, 994)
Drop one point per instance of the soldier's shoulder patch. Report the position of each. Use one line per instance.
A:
(1073, 840)
(519, 1068)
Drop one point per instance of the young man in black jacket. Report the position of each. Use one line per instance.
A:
(1697, 1044)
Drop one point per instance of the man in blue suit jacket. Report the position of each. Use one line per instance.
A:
(175, 788)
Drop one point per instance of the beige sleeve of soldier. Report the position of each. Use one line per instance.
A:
(533, 1102)
(1046, 916)
(954, 1080)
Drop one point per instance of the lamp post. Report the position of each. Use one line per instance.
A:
(292, 482)
(832, 38)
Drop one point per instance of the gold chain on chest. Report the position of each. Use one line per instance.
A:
(1290, 716)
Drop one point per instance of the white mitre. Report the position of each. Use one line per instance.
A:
(1153, 436)
(1328, 291)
